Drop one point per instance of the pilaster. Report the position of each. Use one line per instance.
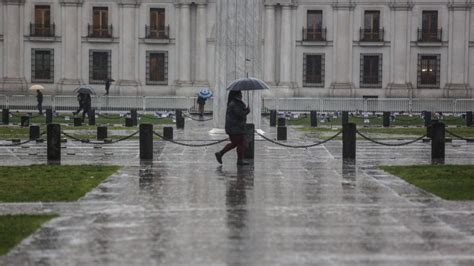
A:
(269, 45)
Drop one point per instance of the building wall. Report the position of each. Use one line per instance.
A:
(191, 47)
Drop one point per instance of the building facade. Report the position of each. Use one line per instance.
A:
(305, 48)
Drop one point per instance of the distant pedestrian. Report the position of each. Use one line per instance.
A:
(82, 99)
(201, 102)
(87, 106)
(39, 99)
(107, 85)
(235, 121)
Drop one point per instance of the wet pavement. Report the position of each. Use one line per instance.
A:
(291, 207)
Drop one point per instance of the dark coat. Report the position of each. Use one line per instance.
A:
(39, 98)
(236, 117)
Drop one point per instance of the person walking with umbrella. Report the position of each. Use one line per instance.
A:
(235, 121)
(39, 99)
(107, 85)
(203, 95)
(84, 99)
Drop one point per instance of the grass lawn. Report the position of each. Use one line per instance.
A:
(50, 182)
(450, 182)
(14, 228)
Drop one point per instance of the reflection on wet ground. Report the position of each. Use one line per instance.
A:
(302, 206)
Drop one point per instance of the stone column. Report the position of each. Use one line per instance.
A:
(458, 59)
(238, 53)
(269, 50)
(185, 44)
(14, 79)
(201, 46)
(127, 80)
(342, 56)
(400, 38)
(71, 43)
(286, 47)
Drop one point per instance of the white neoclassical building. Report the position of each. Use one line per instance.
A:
(318, 48)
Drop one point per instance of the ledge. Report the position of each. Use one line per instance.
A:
(313, 43)
(157, 41)
(43, 38)
(375, 44)
(429, 44)
(100, 40)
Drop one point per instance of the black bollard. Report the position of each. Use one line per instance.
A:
(101, 133)
(34, 132)
(146, 142)
(54, 142)
(281, 121)
(314, 118)
(344, 118)
(91, 116)
(468, 119)
(128, 122)
(349, 141)
(386, 119)
(273, 118)
(427, 118)
(77, 121)
(249, 141)
(5, 116)
(179, 119)
(168, 133)
(49, 116)
(281, 133)
(437, 141)
(134, 116)
(25, 121)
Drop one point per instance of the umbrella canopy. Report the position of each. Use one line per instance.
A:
(85, 89)
(36, 87)
(204, 93)
(247, 84)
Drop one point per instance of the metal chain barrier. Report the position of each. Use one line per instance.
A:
(389, 144)
(457, 136)
(15, 144)
(194, 119)
(97, 142)
(151, 117)
(404, 119)
(190, 145)
(109, 117)
(299, 146)
(452, 119)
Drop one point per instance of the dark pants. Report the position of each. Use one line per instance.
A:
(235, 141)
(201, 109)
(40, 108)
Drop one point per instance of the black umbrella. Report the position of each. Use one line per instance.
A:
(247, 84)
(85, 89)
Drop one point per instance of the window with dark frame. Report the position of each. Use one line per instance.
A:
(429, 26)
(428, 71)
(371, 70)
(157, 24)
(99, 66)
(314, 25)
(42, 25)
(100, 21)
(371, 31)
(42, 65)
(157, 67)
(313, 70)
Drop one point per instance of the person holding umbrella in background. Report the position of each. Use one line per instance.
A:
(84, 99)
(39, 97)
(203, 95)
(107, 85)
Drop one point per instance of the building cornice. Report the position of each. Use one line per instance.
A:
(401, 6)
(280, 2)
(71, 2)
(345, 5)
(460, 6)
(14, 2)
(188, 2)
(129, 3)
